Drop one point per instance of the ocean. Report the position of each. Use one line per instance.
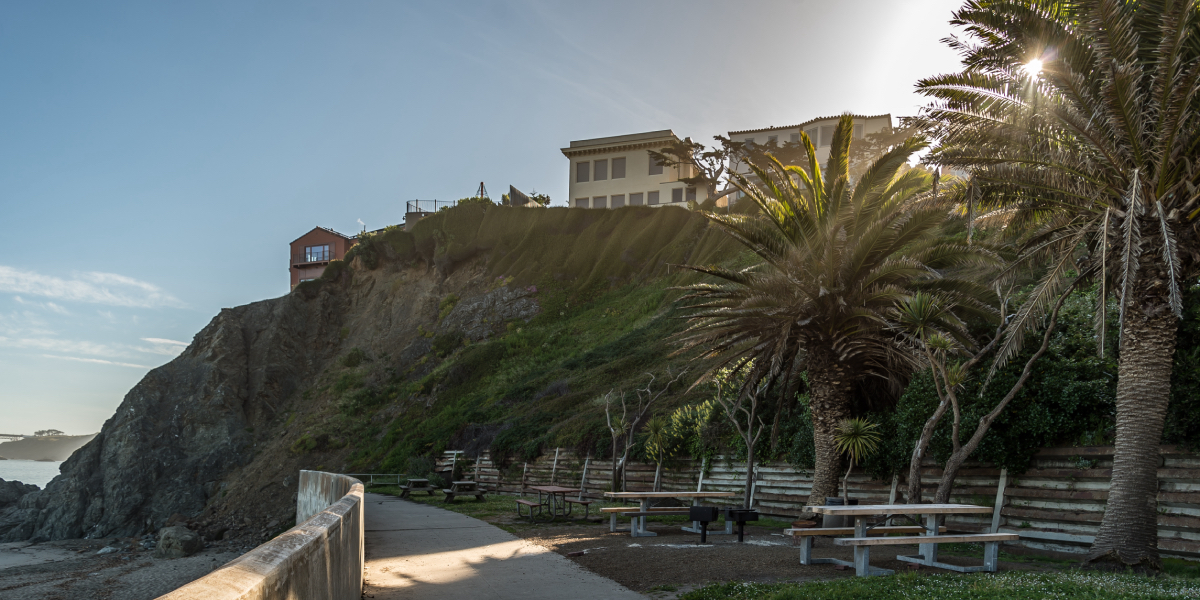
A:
(29, 471)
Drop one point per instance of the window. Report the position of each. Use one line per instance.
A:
(858, 132)
(749, 141)
(581, 172)
(656, 167)
(316, 253)
(795, 137)
(599, 201)
(691, 194)
(581, 203)
(635, 199)
(772, 140)
(651, 198)
(619, 168)
(600, 170)
(677, 195)
(618, 200)
(814, 135)
(826, 135)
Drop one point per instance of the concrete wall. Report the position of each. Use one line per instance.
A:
(320, 558)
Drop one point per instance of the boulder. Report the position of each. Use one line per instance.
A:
(177, 542)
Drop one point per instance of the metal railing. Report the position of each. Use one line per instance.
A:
(378, 478)
(311, 257)
(428, 206)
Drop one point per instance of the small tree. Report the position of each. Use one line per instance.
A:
(633, 413)
(858, 439)
(661, 445)
(709, 165)
(740, 402)
(46, 432)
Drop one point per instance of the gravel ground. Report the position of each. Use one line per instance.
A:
(673, 562)
(71, 569)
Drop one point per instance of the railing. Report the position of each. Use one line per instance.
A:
(301, 258)
(428, 206)
(383, 478)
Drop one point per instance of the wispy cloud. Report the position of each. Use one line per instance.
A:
(97, 361)
(164, 346)
(46, 344)
(97, 288)
(50, 306)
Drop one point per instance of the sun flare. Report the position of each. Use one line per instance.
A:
(1034, 67)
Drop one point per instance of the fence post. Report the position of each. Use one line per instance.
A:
(999, 500)
(753, 487)
(523, 472)
(700, 480)
(895, 482)
(583, 479)
(554, 467)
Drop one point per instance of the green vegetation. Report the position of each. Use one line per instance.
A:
(1013, 585)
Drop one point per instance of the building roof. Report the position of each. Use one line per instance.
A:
(810, 122)
(327, 230)
(633, 141)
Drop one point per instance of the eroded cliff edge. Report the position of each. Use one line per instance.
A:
(212, 436)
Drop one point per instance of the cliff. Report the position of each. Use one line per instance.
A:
(490, 327)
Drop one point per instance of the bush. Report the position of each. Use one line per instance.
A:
(354, 358)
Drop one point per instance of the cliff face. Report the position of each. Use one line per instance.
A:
(218, 433)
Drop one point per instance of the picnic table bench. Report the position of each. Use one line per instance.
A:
(463, 488)
(555, 502)
(927, 544)
(416, 485)
(637, 526)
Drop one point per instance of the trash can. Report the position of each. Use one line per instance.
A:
(837, 520)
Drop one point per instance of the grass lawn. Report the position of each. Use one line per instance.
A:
(1016, 585)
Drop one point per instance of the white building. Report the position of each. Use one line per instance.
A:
(612, 172)
(819, 130)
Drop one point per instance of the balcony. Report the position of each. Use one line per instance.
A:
(309, 259)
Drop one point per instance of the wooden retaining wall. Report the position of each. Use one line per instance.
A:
(1056, 505)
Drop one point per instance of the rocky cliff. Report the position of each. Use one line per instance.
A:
(217, 434)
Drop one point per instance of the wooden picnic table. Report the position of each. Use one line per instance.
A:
(637, 527)
(556, 504)
(928, 551)
(415, 484)
(463, 488)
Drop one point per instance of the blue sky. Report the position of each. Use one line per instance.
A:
(157, 157)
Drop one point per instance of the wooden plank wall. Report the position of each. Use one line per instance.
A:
(1056, 505)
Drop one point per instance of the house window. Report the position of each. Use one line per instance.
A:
(618, 168)
(858, 132)
(795, 137)
(599, 201)
(749, 141)
(618, 200)
(656, 167)
(635, 199)
(677, 195)
(772, 140)
(826, 135)
(581, 203)
(600, 170)
(691, 194)
(581, 172)
(316, 253)
(651, 198)
(814, 135)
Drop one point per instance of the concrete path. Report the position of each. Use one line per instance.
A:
(416, 551)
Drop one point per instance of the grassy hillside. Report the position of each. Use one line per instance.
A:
(603, 281)
(47, 447)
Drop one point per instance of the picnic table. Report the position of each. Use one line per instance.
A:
(415, 484)
(927, 544)
(463, 488)
(555, 503)
(637, 526)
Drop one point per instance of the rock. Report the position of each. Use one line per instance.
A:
(108, 550)
(11, 492)
(178, 542)
(175, 518)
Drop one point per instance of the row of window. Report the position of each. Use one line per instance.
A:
(820, 136)
(651, 198)
(597, 170)
(316, 253)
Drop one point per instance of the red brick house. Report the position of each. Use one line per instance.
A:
(311, 252)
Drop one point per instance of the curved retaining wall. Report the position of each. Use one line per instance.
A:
(321, 557)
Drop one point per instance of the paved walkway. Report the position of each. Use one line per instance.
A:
(416, 551)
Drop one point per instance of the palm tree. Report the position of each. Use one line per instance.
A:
(1079, 123)
(833, 257)
(858, 439)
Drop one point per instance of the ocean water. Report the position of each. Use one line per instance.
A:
(29, 471)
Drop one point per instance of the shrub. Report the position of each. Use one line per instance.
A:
(354, 358)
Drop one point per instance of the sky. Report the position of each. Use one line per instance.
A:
(156, 158)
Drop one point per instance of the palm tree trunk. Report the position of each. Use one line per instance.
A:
(1128, 535)
(830, 388)
(918, 455)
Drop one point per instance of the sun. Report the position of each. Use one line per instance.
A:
(1033, 67)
